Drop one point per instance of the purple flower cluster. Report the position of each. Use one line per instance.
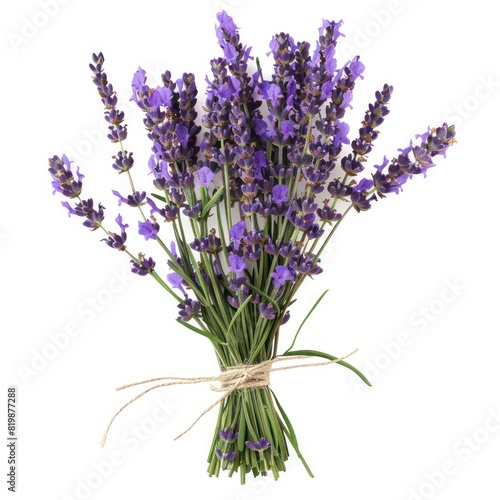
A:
(115, 117)
(65, 183)
(170, 121)
(238, 139)
(272, 158)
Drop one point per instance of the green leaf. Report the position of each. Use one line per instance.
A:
(325, 355)
(242, 431)
(212, 201)
(262, 294)
(291, 434)
(238, 312)
(158, 197)
(306, 318)
(205, 333)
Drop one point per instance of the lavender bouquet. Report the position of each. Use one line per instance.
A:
(244, 204)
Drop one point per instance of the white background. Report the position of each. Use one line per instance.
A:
(421, 267)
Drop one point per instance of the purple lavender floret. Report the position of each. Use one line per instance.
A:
(85, 208)
(314, 232)
(261, 445)
(149, 229)
(288, 250)
(94, 217)
(144, 266)
(237, 231)
(64, 181)
(211, 244)
(279, 194)
(188, 309)
(307, 264)
(237, 264)
(281, 275)
(132, 200)
(228, 457)
(115, 240)
(205, 176)
(338, 189)
(124, 161)
(177, 281)
(168, 212)
(328, 214)
(228, 435)
(193, 212)
(267, 310)
(300, 220)
(361, 196)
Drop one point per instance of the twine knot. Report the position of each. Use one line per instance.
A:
(230, 379)
(244, 377)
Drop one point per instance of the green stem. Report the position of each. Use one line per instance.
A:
(227, 188)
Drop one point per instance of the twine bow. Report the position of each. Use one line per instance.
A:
(237, 377)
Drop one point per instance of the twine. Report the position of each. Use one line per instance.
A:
(236, 377)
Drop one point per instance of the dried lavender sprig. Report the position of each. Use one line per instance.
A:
(64, 183)
(401, 169)
(113, 116)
